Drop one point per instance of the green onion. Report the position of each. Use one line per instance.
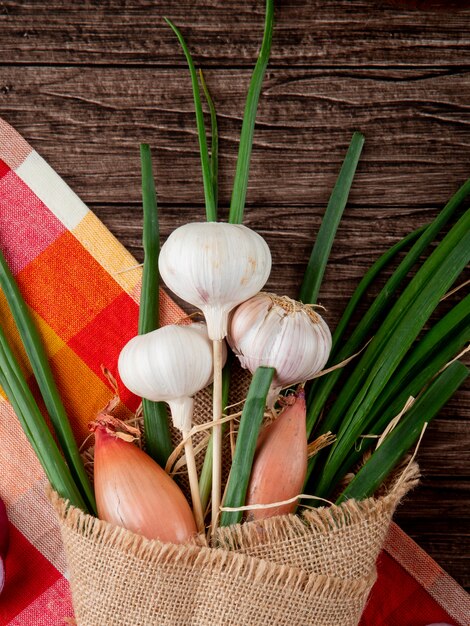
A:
(398, 390)
(393, 340)
(321, 387)
(398, 442)
(214, 162)
(43, 374)
(211, 209)
(432, 352)
(35, 428)
(205, 480)
(362, 331)
(240, 183)
(321, 250)
(250, 424)
(157, 430)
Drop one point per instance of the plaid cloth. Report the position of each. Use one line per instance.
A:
(83, 289)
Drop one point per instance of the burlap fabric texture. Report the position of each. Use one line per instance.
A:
(314, 569)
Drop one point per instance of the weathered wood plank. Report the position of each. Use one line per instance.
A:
(88, 122)
(436, 496)
(364, 234)
(447, 541)
(227, 32)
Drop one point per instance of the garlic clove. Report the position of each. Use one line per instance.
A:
(215, 266)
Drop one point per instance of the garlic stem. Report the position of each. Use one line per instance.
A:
(193, 482)
(182, 414)
(216, 433)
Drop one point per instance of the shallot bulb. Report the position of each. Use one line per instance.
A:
(278, 332)
(280, 463)
(215, 266)
(133, 491)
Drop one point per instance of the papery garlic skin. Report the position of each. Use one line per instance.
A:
(215, 266)
(279, 332)
(169, 364)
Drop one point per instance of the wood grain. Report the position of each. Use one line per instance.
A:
(228, 33)
(415, 122)
(85, 82)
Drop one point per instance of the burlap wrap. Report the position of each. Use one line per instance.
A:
(316, 569)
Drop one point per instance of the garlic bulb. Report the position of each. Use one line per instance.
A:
(170, 365)
(279, 332)
(215, 266)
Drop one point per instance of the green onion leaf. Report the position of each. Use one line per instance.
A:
(393, 340)
(40, 365)
(421, 367)
(214, 162)
(35, 427)
(157, 429)
(211, 209)
(321, 250)
(362, 331)
(399, 441)
(321, 387)
(250, 424)
(240, 183)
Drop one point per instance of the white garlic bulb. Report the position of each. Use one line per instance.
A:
(170, 365)
(215, 266)
(279, 332)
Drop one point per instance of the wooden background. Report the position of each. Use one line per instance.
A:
(86, 81)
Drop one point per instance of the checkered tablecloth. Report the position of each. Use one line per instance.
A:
(83, 289)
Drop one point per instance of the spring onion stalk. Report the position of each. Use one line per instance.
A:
(157, 430)
(205, 480)
(398, 442)
(394, 338)
(438, 345)
(240, 184)
(35, 427)
(40, 365)
(320, 389)
(214, 160)
(211, 208)
(250, 424)
(321, 250)
(397, 392)
(362, 331)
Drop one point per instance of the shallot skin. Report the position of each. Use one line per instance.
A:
(280, 464)
(133, 491)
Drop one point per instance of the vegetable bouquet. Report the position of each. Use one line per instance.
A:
(327, 419)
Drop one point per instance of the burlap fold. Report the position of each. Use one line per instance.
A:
(315, 569)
